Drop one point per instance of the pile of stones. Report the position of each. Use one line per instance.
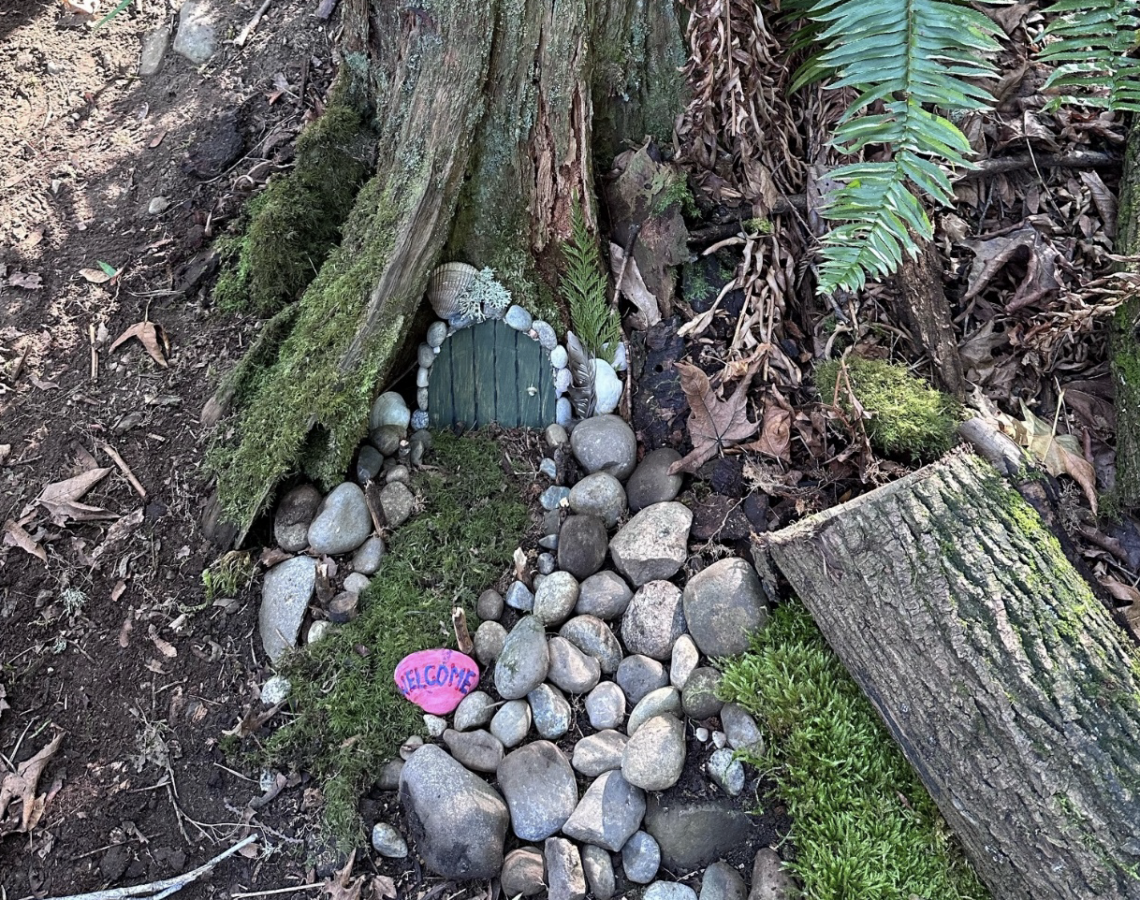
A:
(346, 521)
(600, 699)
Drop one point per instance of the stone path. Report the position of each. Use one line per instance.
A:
(593, 699)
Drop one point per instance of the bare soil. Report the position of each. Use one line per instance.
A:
(110, 641)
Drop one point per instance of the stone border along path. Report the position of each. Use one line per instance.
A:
(624, 638)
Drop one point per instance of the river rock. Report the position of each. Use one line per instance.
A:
(342, 522)
(387, 841)
(599, 495)
(474, 711)
(565, 879)
(276, 690)
(651, 482)
(582, 544)
(512, 722)
(607, 388)
(479, 750)
(693, 834)
(700, 698)
(661, 702)
(518, 318)
(724, 605)
(387, 438)
(608, 814)
(368, 556)
(550, 710)
(154, 46)
(285, 595)
(396, 503)
(519, 597)
(356, 583)
(570, 669)
(654, 620)
(553, 497)
(369, 462)
(605, 444)
(197, 36)
(593, 637)
(389, 777)
(457, 820)
(539, 787)
(604, 594)
(390, 409)
(638, 676)
(555, 598)
(726, 771)
(489, 639)
(741, 729)
(294, 514)
(489, 605)
(655, 757)
(683, 661)
(769, 880)
(599, 869)
(523, 873)
(523, 663)
(598, 753)
(654, 544)
(669, 890)
(722, 882)
(605, 706)
(640, 858)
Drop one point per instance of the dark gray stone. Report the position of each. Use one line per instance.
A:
(724, 606)
(368, 463)
(598, 753)
(593, 637)
(458, 822)
(539, 787)
(479, 751)
(661, 702)
(368, 556)
(654, 544)
(570, 669)
(605, 706)
(489, 640)
(693, 834)
(769, 880)
(294, 514)
(740, 728)
(396, 503)
(285, 595)
(640, 858)
(599, 495)
(555, 597)
(489, 605)
(342, 522)
(722, 882)
(519, 597)
(523, 873)
(386, 439)
(608, 814)
(551, 711)
(653, 620)
(605, 444)
(565, 879)
(474, 711)
(651, 482)
(604, 594)
(638, 676)
(523, 663)
(599, 869)
(582, 544)
(699, 698)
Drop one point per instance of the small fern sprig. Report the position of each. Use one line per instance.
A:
(585, 288)
(910, 56)
(1091, 42)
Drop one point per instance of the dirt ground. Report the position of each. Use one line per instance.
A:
(110, 642)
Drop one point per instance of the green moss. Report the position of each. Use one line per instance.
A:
(302, 405)
(908, 417)
(349, 717)
(292, 226)
(228, 575)
(863, 825)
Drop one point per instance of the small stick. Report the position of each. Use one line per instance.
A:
(245, 32)
(167, 886)
(94, 352)
(19, 367)
(124, 468)
(284, 890)
(462, 635)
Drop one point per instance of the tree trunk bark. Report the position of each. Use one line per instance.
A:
(925, 309)
(486, 112)
(1125, 339)
(1003, 679)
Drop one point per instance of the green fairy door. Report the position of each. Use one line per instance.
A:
(491, 373)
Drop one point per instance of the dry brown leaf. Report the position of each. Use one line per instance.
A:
(775, 435)
(633, 288)
(342, 886)
(21, 785)
(151, 336)
(61, 498)
(29, 281)
(1027, 246)
(97, 276)
(383, 887)
(14, 534)
(164, 647)
(714, 424)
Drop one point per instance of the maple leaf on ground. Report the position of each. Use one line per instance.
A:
(21, 785)
(61, 498)
(342, 886)
(16, 535)
(151, 336)
(714, 424)
(776, 433)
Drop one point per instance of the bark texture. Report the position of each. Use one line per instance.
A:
(1125, 340)
(925, 309)
(1004, 680)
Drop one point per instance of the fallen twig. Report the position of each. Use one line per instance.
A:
(158, 889)
(248, 30)
(124, 468)
(284, 890)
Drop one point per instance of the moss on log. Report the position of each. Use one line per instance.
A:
(1125, 340)
(1002, 677)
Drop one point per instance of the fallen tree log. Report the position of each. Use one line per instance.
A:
(1001, 676)
(1125, 342)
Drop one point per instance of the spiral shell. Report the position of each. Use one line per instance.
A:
(447, 284)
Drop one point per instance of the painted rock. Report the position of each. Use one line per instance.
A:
(436, 680)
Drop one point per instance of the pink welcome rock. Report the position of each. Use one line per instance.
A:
(436, 680)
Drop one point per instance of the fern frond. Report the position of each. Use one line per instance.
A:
(1091, 42)
(905, 58)
(584, 287)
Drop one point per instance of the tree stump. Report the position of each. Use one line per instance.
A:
(1002, 677)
